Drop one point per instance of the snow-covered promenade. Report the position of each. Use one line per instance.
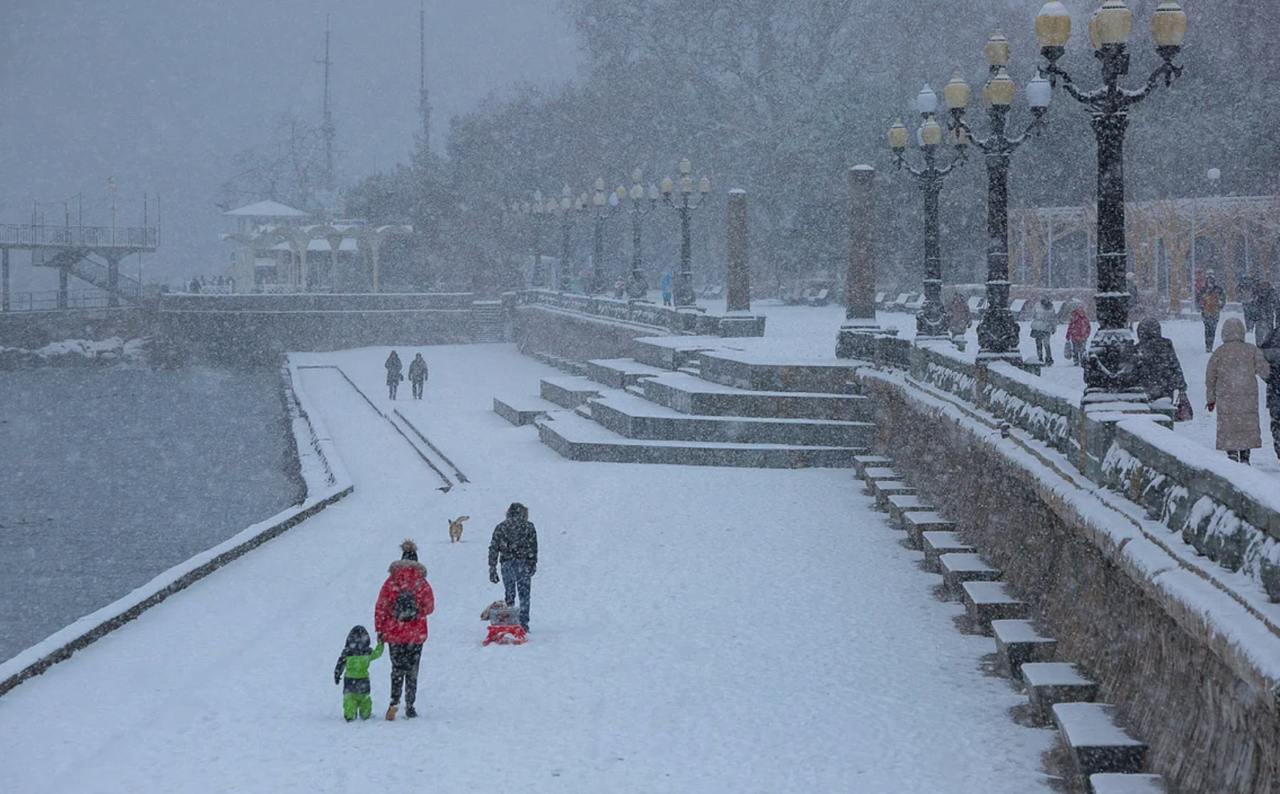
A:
(693, 629)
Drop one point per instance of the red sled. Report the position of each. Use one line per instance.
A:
(506, 635)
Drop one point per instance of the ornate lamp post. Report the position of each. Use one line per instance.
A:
(562, 208)
(637, 285)
(533, 211)
(998, 330)
(1109, 365)
(685, 205)
(931, 320)
(602, 205)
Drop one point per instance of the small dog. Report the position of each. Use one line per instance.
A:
(455, 528)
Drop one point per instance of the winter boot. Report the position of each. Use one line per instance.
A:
(410, 713)
(391, 711)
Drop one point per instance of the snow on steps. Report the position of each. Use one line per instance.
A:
(1112, 783)
(884, 489)
(578, 438)
(989, 601)
(861, 463)
(937, 544)
(1095, 742)
(521, 410)
(1019, 643)
(901, 503)
(917, 524)
(958, 568)
(1051, 683)
(693, 395)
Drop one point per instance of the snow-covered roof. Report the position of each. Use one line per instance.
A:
(266, 209)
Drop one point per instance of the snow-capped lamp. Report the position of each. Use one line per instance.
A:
(997, 51)
(926, 101)
(1039, 94)
(898, 137)
(1053, 30)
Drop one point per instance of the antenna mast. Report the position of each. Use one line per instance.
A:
(326, 126)
(424, 99)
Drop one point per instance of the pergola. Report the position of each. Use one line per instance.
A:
(299, 241)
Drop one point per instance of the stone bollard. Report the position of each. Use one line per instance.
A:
(858, 333)
(738, 293)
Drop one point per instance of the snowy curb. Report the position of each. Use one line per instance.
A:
(327, 482)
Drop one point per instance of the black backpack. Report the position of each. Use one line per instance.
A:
(406, 608)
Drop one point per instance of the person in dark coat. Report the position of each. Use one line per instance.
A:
(394, 374)
(1264, 310)
(515, 546)
(1158, 368)
(1271, 351)
(1211, 298)
(417, 375)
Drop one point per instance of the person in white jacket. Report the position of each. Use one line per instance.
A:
(1044, 322)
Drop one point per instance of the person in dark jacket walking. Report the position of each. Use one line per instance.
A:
(400, 618)
(1264, 310)
(1158, 368)
(1271, 351)
(1211, 298)
(417, 375)
(515, 546)
(394, 374)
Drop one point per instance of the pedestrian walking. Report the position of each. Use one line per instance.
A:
(1264, 311)
(1231, 388)
(1210, 300)
(400, 618)
(353, 666)
(1044, 322)
(417, 375)
(1271, 350)
(514, 546)
(664, 284)
(1078, 330)
(1158, 369)
(960, 319)
(394, 374)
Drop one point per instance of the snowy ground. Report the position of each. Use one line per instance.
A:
(112, 474)
(694, 629)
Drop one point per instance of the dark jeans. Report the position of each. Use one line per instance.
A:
(417, 390)
(404, 672)
(1210, 331)
(1239, 455)
(391, 390)
(1273, 408)
(1044, 346)
(517, 578)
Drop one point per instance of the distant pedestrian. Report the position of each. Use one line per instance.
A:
(1078, 330)
(1231, 387)
(1210, 300)
(1264, 310)
(1044, 322)
(960, 318)
(514, 546)
(1248, 291)
(417, 375)
(195, 286)
(1271, 350)
(353, 664)
(664, 284)
(400, 617)
(394, 374)
(1159, 371)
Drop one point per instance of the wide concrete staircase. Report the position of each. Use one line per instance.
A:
(680, 402)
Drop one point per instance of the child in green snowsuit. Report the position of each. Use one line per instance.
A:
(354, 662)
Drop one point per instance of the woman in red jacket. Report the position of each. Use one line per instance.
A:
(400, 619)
(1078, 333)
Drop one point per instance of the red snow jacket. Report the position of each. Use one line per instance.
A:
(1078, 329)
(411, 576)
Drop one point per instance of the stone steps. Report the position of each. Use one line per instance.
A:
(900, 504)
(671, 352)
(1119, 783)
(1018, 643)
(863, 462)
(521, 410)
(1051, 683)
(619, 373)
(692, 395)
(988, 601)
(960, 568)
(883, 489)
(763, 372)
(578, 438)
(937, 544)
(917, 524)
(1096, 744)
(568, 392)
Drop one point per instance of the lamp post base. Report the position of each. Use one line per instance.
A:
(1111, 372)
(857, 339)
(637, 287)
(933, 321)
(683, 292)
(998, 334)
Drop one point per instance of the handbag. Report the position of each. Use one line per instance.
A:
(1183, 413)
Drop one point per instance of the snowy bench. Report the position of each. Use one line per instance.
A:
(863, 462)
(937, 544)
(1018, 643)
(1051, 683)
(960, 568)
(1095, 742)
(988, 601)
(519, 410)
(900, 504)
(917, 524)
(1112, 783)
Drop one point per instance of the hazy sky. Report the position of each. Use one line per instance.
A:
(160, 94)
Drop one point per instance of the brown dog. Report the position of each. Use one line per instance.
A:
(455, 528)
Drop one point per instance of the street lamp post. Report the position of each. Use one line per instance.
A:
(685, 205)
(932, 319)
(562, 208)
(998, 330)
(637, 285)
(1110, 361)
(533, 211)
(602, 205)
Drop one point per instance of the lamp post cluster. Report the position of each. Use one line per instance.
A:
(601, 205)
(1110, 361)
(1109, 365)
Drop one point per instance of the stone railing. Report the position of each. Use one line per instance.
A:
(694, 320)
(1224, 511)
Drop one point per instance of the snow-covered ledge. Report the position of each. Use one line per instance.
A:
(327, 482)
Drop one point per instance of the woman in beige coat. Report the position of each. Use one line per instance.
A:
(1231, 387)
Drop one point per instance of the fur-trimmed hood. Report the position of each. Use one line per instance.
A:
(402, 564)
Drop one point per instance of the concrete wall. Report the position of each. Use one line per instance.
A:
(542, 329)
(33, 330)
(1178, 657)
